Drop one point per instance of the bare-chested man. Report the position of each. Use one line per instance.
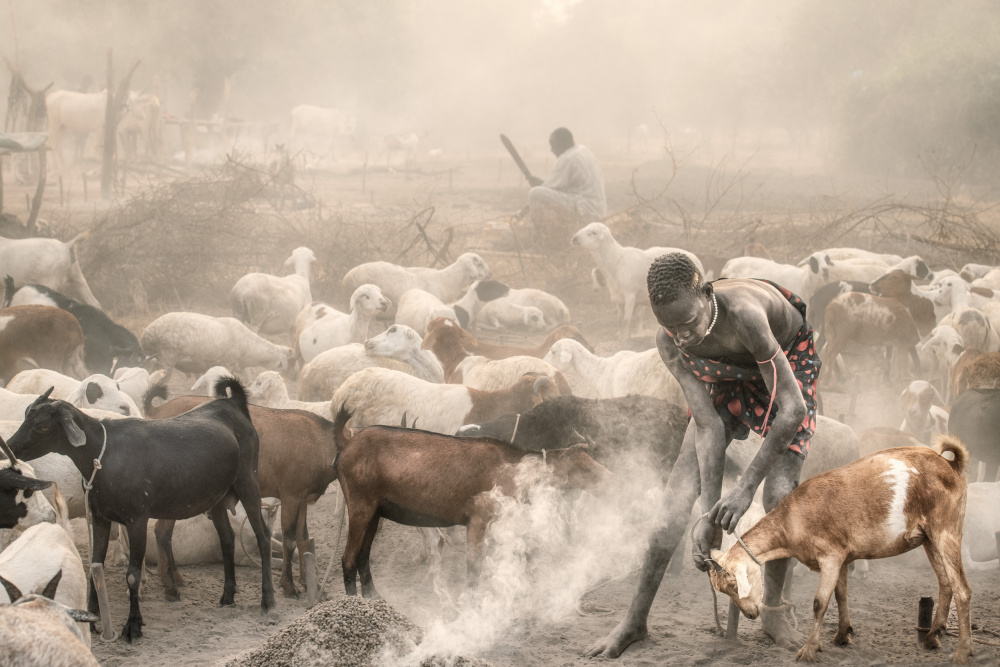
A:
(743, 354)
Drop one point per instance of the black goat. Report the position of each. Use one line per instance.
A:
(15, 489)
(106, 344)
(202, 461)
(612, 426)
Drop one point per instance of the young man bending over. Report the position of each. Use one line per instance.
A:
(743, 354)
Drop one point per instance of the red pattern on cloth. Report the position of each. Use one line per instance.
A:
(740, 395)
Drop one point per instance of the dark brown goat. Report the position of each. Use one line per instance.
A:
(897, 284)
(295, 465)
(418, 478)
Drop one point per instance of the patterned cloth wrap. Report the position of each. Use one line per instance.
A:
(740, 395)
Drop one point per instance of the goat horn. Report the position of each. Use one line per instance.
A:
(7, 450)
(13, 592)
(41, 399)
(50, 588)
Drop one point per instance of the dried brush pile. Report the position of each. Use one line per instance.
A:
(182, 245)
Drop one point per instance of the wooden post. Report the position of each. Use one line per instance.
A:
(97, 575)
(107, 160)
(27, 202)
(733, 623)
(1, 186)
(312, 592)
(36, 203)
(925, 614)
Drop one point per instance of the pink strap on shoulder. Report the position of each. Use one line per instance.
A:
(774, 387)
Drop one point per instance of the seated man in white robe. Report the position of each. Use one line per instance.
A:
(575, 186)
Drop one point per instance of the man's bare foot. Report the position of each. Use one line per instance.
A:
(618, 640)
(777, 627)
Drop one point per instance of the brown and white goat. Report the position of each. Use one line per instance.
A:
(974, 369)
(295, 465)
(42, 337)
(866, 319)
(898, 285)
(912, 496)
(924, 414)
(479, 372)
(418, 478)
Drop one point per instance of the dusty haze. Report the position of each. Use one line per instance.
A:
(856, 84)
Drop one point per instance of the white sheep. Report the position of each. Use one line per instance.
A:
(447, 284)
(980, 541)
(13, 404)
(384, 396)
(40, 509)
(402, 343)
(136, 381)
(503, 315)
(319, 327)
(975, 328)
(973, 271)
(43, 632)
(868, 271)
(269, 390)
(923, 414)
(48, 262)
(803, 280)
(205, 384)
(39, 554)
(269, 304)
(96, 391)
(622, 374)
(417, 307)
(624, 269)
(555, 310)
(857, 254)
(320, 377)
(193, 343)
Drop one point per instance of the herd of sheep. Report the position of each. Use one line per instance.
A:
(403, 359)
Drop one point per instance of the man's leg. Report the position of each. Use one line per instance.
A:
(781, 481)
(683, 488)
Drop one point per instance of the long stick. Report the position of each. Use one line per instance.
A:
(517, 158)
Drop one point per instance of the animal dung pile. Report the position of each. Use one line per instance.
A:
(349, 631)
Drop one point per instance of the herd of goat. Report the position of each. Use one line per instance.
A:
(86, 402)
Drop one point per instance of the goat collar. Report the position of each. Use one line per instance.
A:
(747, 549)
(89, 484)
(517, 422)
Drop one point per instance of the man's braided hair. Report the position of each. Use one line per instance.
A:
(671, 276)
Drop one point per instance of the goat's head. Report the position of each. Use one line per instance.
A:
(894, 284)
(560, 354)
(103, 393)
(398, 339)
(819, 263)
(301, 255)
(574, 468)
(592, 236)
(369, 300)
(736, 575)
(534, 319)
(476, 267)
(20, 506)
(48, 426)
(268, 387)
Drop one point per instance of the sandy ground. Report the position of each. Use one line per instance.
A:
(195, 631)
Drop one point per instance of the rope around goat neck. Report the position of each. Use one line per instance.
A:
(87, 486)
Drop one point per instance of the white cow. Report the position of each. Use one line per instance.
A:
(77, 114)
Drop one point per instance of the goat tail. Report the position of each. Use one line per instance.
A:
(156, 390)
(959, 452)
(79, 237)
(230, 387)
(8, 290)
(340, 438)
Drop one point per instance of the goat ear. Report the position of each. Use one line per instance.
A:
(13, 592)
(813, 264)
(50, 588)
(742, 581)
(74, 433)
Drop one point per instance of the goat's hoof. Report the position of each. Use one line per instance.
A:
(178, 579)
(932, 641)
(844, 638)
(962, 656)
(267, 604)
(132, 630)
(808, 653)
(172, 597)
(227, 600)
(289, 590)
